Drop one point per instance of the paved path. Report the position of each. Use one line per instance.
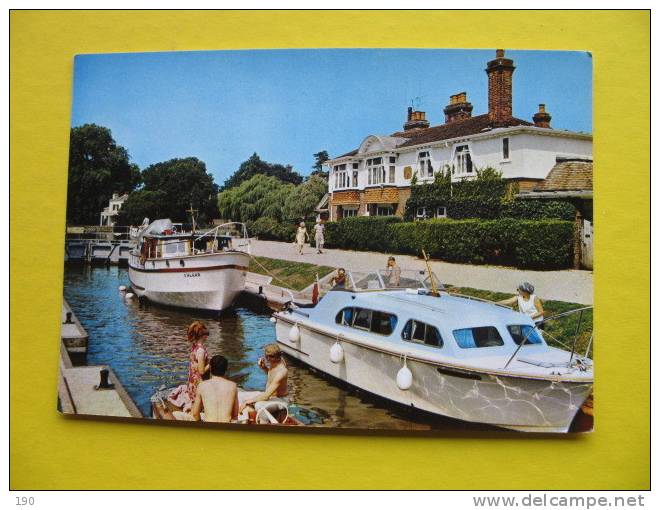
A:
(567, 285)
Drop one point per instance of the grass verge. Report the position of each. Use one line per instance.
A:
(296, 275)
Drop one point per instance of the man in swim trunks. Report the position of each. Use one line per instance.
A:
(217, 396)
(276, 386)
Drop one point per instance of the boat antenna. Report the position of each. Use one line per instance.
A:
(434, 287)
(192, 215)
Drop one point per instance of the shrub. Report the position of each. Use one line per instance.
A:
(537, 244)
(270, 229)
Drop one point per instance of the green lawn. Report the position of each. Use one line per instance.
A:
(562, 329)
(296, 275)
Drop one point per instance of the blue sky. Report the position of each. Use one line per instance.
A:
(221, 106)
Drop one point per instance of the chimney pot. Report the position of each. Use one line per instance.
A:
(458, 108)
(499, 53)
(542, 118)
(416, 120)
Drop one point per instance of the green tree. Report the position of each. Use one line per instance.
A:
(98, 167)
(259, 196)
(320, 158)
(255, 165)
(170, 188)
(304, 199)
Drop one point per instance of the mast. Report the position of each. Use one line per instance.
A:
(192, 216)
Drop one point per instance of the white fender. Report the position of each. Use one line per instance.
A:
(294, 333)
(404, 377)
(122, 288)
(129, 295)
(336, 353)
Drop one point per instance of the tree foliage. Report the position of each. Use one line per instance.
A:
(98, 167)
(303, 200)
(170, 188)
(320, 158)
(259, 196)
(255, 165)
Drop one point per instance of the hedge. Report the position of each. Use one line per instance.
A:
(533, 244)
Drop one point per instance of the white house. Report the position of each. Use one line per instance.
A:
(110, 213)
(375, 178)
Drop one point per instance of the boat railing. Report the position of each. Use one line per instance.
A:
(475, 298)
(215, 231)
(383, 279)
(540, 329)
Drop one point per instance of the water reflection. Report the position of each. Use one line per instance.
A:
(146, 347)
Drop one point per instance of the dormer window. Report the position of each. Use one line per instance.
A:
(425, 166)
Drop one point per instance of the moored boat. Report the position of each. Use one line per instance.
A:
(445, 354)
(196, 270)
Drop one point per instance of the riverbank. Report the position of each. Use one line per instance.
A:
(571, 286)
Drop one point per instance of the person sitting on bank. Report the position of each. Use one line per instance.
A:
(277, 388)
(339, 280)
(217, 396)
(393, 272)
(527, 302)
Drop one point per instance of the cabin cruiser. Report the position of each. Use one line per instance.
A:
(416, 344)
(197, 270)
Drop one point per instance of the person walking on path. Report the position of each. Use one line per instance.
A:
(301, 236)
(318, 236)
(527, 302)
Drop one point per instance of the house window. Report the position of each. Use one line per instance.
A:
(384, 210)
(420, 213)
(425, 166)
(392, 159)
(505, 148)
(355, 178)
(440, 212)
(356, 166)
(349, 212)
(463, 160)
(375, 171)
(392, 174)
(341, 177)
(421, 333)
(115, 207)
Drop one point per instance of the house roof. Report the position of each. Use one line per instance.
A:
(568, 174)
(455, 129)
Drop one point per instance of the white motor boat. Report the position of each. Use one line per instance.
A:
(198, 270)
(445, 354)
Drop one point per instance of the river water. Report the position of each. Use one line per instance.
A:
(146, 347)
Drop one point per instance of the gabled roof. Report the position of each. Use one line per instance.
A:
(568, 174)
(455, 129)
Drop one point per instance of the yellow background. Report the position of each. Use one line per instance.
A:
(50, 452)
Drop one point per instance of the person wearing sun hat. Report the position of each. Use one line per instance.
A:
(527, 302)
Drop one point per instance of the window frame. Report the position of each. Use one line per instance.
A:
(355, 312)
(476, 346)
(412, 322)
(537, 333)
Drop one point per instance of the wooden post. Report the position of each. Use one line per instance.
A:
(577, 239)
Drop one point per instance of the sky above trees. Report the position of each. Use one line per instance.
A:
(287, 105)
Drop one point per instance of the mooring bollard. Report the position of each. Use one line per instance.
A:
(104, 383)
(261, 289)
(68, 318)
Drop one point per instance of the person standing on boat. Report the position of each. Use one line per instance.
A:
(393, 272)
(277, 387)
(527, 302)
(301, 235)
(318, 235)
(217, 396)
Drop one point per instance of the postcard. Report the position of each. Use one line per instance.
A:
(363, 239)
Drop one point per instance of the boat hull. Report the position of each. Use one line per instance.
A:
(203, 282)
(517, 403)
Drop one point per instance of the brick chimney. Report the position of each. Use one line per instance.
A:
(416, 120)
(500, 73)
(542, 118)
(458, 108)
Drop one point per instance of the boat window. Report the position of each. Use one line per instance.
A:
(486, 336)
(520, 332)
(421, 333)
(369, 320)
